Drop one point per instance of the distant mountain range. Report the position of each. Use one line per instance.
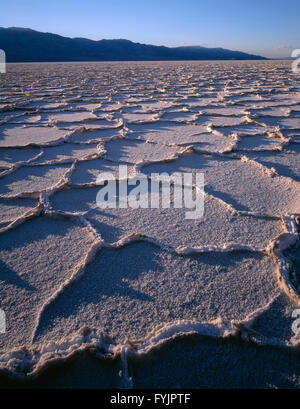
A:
(26, 45)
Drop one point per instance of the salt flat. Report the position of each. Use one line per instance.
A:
(148, 286)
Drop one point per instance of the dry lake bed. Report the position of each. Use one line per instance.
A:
(145, 297)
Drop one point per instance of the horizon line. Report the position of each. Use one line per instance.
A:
(200, 45)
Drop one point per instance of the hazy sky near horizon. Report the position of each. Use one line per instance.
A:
(269, 28)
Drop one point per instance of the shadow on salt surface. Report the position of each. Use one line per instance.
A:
(93, 135)
(260, 142)
(294, 256)
(219, 121)
(69, 117)
(12, 209)
(169, 226)
(36, 258)
(128, 291)
(29, 118)
(28, 179)
(110, 107)
(137, 117)
(269, 112)
(138, 151)
(247, 185)
(286, 164)
(226, 197)
(294, 147)
(85, 106)
(286, 123)
(84, 372)
(197, 136)
(44, 105)
(242, 130)
(20, 135)
(211, 143)
(155, 106)
(179, 116)
(168, 132)
(66, 151)
(88, 171)
(13, 278)
(136, 109)
(9, 157)
(202, 362)
(223, 111)
(185, 362)
(98, 123)
(276, 321)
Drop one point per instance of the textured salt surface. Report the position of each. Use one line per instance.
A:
(130, 293)
(133, 294)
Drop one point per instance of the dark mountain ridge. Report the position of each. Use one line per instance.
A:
(27, 45)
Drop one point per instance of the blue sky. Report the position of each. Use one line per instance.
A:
(266, 27)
